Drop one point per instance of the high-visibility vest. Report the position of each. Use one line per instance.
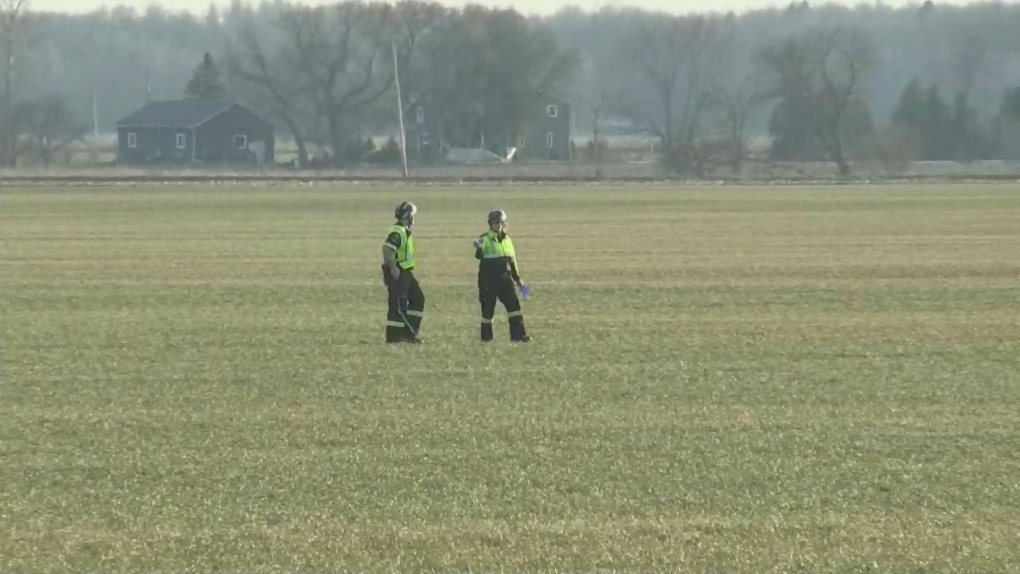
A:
(493, 248)
(405, 253)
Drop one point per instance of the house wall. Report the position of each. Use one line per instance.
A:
(422, 131)
(1011, 138)
(535, 136)
(216, 138)
(153, 144)
(561, 128)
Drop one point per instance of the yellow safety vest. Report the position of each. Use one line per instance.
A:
(493, 248)
(405, 253)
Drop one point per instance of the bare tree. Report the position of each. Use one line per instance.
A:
(50, 126)
(821, 73)
(490, 72)
(263, 76)
(733, 104)
(12, 38)
(341, 53)
(970, 59)
(415, 28)
(415, 23)
(679, 58)
(595, 92)
(433, 74)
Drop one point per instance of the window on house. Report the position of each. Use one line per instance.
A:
(182, 141)
(424, 138)
(551, 111)
(549, 140)
(132, 140)
(420, 115)
(240, 142)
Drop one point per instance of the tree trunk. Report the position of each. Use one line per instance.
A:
(10, 132)
(44, 152)
(299, 141)
(302, 148)
(595, 144)
(337, 138)
(738, 149)
(839, 157)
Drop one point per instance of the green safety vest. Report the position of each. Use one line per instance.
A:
(493, 248)
(405, 253)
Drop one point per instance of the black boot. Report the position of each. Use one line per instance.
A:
(518, 333)
(395, 334)
(486, 332)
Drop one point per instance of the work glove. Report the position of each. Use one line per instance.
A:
(477, 243)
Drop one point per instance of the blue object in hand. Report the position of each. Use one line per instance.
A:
(524, 291)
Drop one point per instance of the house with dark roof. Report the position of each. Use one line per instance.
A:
(548, 136)
(1009, 137)
(422, 131)
(194, 131)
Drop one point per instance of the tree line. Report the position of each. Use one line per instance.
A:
(822, 83)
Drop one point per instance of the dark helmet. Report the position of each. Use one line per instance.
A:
(406, 210)
(497, 216)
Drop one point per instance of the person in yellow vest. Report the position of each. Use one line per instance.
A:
(406, 300)
(497, 275)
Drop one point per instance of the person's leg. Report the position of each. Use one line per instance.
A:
(487, 298)
(395, 327)
(508, 296)
(415, 306)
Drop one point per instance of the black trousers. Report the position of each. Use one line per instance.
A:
(504, 292)
(406, 301)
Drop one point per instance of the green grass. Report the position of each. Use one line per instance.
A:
(723, 380)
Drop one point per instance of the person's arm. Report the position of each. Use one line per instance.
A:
(514, 273)
(478, 247)
(389, 253)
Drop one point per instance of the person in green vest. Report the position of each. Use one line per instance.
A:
(497, 275)
(406, 300)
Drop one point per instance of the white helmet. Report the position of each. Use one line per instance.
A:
(405, 211)
(497, 216)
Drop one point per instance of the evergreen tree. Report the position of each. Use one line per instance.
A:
(792, 137)
(857, 128)
(908, 121)
(969, 137)
(205, 83)
(212, 17)
(937, 129)
(1010, 107)
(909, 111)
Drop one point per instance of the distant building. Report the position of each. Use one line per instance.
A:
(423, 131)
(548, 137)
(1009, 136)
(194, 131)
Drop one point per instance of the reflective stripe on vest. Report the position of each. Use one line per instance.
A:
(404, 253)
(492, 248)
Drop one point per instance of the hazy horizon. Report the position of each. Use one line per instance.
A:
(543, 7)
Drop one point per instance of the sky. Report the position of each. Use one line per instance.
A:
(524, 6)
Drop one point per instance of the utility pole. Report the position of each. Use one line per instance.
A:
(400, 110)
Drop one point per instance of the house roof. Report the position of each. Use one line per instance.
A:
(175, 114)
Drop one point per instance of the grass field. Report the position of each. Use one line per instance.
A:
(722, 380)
